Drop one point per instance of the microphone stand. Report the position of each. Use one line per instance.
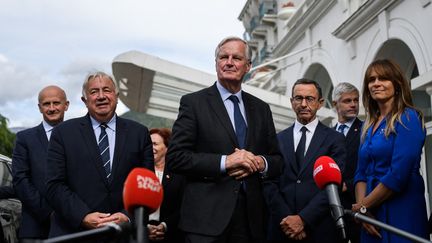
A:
(141, 220)
(374, 222)
(110, 230)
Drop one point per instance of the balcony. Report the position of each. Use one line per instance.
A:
(286, 11)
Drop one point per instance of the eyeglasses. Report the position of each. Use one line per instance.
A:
(299, 99)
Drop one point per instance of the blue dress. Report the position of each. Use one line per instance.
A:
(395, 162)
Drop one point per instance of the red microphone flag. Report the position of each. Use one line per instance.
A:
(326, 171)
(142, 189)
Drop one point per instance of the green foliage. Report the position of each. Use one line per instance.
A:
(7, 138)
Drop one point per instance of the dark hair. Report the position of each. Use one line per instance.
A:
(388, 70)
(308, 81)
(165, 133)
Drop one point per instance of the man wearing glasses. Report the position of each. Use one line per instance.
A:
(299, 209)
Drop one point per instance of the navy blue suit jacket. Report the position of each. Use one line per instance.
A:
(295, 191)
(352, 144)
(76, 180)
(28, 170)
(173, 187)
(203, 133)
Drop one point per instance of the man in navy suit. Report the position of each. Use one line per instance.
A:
(346, 103)
(89, 159)
(28, 164)
(299, 210)
(224, 143)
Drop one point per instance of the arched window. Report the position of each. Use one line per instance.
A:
(318, 73)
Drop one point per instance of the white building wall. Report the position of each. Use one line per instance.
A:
(348, 35)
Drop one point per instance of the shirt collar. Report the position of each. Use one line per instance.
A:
(225, 94)
(311, 126)
(111, 124)
(47, 127)
(348, 123)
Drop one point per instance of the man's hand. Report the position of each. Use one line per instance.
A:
(344, 187)
(261, 163)
(156, 232)
(116, 218)
(96, 219)
(241, 163)
(93, 220)
(293, 227)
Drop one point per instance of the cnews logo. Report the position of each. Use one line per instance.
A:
(148, 183)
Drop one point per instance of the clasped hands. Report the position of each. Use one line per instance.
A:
(243, 163)
(97, 219)
(156, 232)
(293, 227)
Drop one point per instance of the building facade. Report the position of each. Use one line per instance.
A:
(333, 41)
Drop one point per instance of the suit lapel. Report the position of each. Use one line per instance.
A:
(90, 141)
(290, 153)
(166, 177)
(218, 107)
(250, 117)
(354, 131)
(315, 144)
(41, 134)
(120, 142)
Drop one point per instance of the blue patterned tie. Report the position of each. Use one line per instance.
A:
(104, 150)
(341, 128)
(240, 124)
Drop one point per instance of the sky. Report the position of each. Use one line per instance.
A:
(48, 42)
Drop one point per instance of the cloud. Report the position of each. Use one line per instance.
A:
(17, 82)
(58, 42)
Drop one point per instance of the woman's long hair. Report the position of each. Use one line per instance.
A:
(387, 70)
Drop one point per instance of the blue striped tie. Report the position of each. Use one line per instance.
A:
(104, 150)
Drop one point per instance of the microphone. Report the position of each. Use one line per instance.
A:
(327, 175)
(142, 195)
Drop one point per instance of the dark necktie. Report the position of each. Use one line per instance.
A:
(104, 150)
(341, 128)
(300, 151)
(240, 124)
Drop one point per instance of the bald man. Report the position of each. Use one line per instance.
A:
(28, 164)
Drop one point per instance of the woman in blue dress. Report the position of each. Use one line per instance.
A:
(389, 186)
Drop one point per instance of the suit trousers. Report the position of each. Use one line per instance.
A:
(237, 230)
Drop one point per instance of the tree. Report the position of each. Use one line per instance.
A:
(7, 138)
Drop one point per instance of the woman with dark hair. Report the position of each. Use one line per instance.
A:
(163, 223)
(389, 186)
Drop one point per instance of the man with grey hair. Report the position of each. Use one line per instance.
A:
(224, 143)
(346, 103)
(89, 159)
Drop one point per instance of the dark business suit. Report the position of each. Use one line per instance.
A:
(76, 180)
(173, 187)
(352, 144)
(295, 191)
(28, 170)
(201, 134)
(7, 192)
